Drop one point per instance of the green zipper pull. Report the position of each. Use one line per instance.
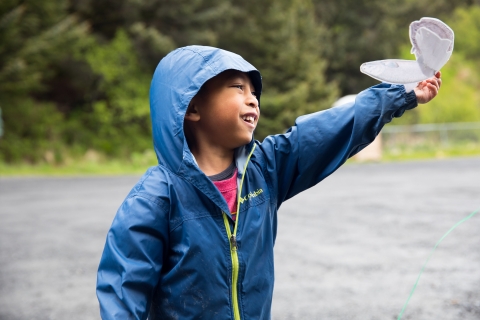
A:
(233, 241)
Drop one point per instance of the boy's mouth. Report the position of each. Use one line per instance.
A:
(249, 118)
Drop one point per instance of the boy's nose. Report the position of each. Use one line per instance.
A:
(252, 101)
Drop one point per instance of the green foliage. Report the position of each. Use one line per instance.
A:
(120, 118)
(466, 24)
(33, 36)
(1, 123)
(150, 44)
(38, 134)
(459, 98)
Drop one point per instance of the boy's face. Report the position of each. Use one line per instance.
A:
(225, 110)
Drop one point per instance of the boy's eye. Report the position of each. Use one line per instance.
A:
(242, 87)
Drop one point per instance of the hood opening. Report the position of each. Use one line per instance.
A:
(177, 79)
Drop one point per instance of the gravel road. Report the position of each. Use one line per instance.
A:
(349, 248)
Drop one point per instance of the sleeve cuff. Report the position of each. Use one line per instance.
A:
(410, 99)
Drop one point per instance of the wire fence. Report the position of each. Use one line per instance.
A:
(442, 134)
(424, 141)
(442, 139)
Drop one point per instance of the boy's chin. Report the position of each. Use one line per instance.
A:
(248, 139)
(243, 142)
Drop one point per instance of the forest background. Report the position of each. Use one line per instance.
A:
(75, 75)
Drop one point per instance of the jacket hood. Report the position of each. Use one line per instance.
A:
(177, 79)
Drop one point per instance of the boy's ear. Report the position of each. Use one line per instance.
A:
(192, 112)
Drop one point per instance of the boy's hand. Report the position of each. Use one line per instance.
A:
(428, 89)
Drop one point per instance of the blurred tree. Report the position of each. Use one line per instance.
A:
(120, 116)
(34, 36)
(1, 123)
(104, 16)
(460, 98)
(466, 24)
(157, 26)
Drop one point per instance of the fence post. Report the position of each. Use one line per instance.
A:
(444, 136)
(372, 152)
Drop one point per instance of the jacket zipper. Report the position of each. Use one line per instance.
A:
(232, 238)
(235, 267)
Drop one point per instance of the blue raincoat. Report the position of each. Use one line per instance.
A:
(173, 250)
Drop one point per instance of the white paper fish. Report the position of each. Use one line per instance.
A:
(432, 42)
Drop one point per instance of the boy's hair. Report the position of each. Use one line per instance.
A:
(253, 79)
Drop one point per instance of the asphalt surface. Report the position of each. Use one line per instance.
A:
(349, 248)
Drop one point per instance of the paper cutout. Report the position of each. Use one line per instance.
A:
(432, 43)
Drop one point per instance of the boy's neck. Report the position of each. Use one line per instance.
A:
(213, 160)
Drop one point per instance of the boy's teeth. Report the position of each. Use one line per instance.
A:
(248, 119)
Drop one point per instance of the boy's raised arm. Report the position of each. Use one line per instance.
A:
(321, 142)
(132, 259)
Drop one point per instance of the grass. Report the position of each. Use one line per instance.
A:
(113, 167)
(91, 164)
(430, 151)
(94, 164)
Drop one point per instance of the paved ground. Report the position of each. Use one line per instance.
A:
(350, 248)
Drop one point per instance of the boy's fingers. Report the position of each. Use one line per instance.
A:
(438, 77)
(434, 89)
(437, 82)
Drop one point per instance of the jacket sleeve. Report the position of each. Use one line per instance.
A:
(321, 142)
(132, 259)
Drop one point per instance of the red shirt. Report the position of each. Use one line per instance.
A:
(228, 189)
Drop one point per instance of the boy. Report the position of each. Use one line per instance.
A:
(194, 238)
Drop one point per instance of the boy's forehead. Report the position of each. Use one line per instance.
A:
(230, 75)
(226, 77)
